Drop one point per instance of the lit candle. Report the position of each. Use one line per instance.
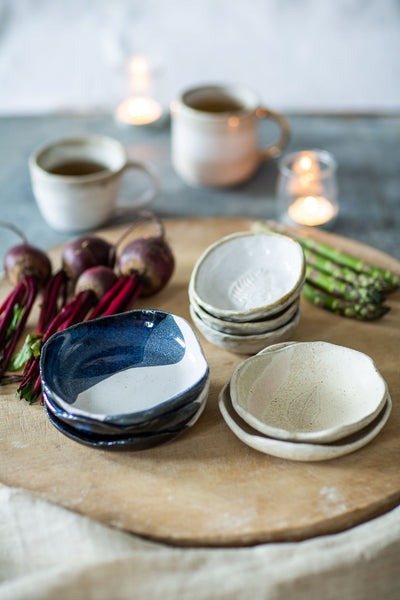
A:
(141, 107)
(139, 111)
(312, 210)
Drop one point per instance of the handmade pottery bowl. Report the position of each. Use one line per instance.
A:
(245, 344)
(300, 451)
(249, 327)
(124, 369)
(173, 420)
(127, 441)
(308, 392)
(248, 276)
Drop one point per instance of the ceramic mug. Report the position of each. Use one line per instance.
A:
(76, 181)
(215, 135)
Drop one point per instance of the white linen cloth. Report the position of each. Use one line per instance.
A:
(48, 552)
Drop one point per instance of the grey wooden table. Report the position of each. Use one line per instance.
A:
(367, 150)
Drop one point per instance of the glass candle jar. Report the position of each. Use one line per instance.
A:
(307, 188)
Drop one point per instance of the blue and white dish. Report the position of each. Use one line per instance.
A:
(125, 369)
(169, 421)
(131, 442)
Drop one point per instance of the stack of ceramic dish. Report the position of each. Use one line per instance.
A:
(130, 381)
(244, 290)
(306, 401)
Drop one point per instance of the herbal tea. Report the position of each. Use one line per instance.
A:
(75, 168)
(216, 104)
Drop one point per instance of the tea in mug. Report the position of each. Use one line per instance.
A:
(75, 168)
(216, 104)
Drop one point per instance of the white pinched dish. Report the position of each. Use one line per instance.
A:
(299, 451)
(245, 344)
(308, 392)
(257, 327)
(247, 276)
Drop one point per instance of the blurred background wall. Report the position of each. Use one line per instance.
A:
(300, 55)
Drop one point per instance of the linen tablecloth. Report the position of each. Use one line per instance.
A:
(48, 552)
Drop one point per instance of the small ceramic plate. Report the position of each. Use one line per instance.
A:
(132, 442)
(124, 369)
(246, 276)
(245, 344)
(257, 327)
(308, 391)
(170, 421)
(296, 450)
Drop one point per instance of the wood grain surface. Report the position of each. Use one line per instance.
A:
(207, 487)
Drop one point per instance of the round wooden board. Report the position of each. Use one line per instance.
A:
(207, 487)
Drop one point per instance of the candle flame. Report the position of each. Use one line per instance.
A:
(310, 204)
(305, 163)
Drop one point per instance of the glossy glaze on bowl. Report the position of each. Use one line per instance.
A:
(246, 276)
(308, 391)
(245, 344)
(170, 421)
(124, 369)
(300, 451)
(127, 441)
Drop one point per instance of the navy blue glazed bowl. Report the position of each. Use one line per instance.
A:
(170, 421)
(131, 442)
(124, 370)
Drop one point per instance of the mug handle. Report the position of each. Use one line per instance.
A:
(275, 149)
(149, 195)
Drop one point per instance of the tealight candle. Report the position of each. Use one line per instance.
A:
(142, 107)
(311, 210)
(139, 111)
(307, 191)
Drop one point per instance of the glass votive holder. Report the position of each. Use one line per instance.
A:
(307, 189)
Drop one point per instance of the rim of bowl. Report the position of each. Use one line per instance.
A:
(252, 327)
(251, 313)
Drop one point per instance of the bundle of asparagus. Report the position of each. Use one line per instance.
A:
(338, 282)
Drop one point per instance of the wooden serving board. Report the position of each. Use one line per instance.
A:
(207, 487)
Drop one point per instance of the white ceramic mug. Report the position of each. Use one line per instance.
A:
(76, 181)
(215, 135)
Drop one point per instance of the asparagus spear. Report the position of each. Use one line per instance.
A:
(342, 289)
(382, 279)
(338, 272)
(358, 265)
(362, 312)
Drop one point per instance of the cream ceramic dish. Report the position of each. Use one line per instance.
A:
(250, 327)
(248, 276)
(308, 391)
(245, 344)
(304, 452)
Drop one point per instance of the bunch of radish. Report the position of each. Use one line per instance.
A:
(105, 279)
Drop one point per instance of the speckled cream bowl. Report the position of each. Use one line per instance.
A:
(308, 392)
(247, 276)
